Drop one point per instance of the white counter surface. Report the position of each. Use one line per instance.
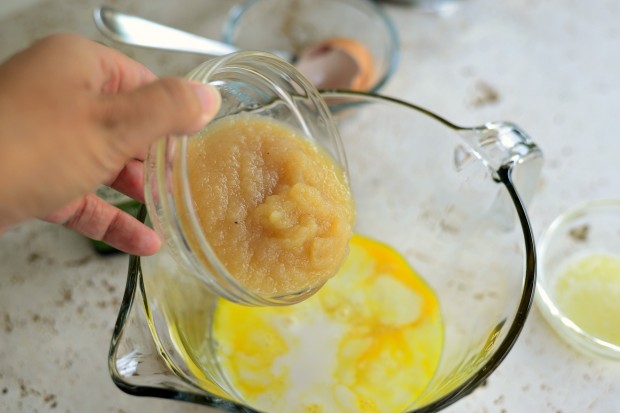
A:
(552, 67)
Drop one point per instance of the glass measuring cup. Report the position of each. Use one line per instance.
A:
(445, 197)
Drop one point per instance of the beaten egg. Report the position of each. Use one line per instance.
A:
(369, 341)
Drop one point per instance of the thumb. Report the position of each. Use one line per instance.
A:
(164, 107)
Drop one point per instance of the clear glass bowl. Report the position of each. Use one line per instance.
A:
(446, 197)
(292, 25)
(248, 82)
(579, 277)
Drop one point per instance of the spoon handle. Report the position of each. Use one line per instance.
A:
(136, 31)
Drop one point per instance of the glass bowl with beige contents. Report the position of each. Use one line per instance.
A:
(257, 204)
(432, 287)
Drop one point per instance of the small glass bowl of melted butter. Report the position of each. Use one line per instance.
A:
(579, 277)
(327, 252)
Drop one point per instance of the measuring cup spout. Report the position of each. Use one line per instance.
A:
(503, 144)
(134, 362)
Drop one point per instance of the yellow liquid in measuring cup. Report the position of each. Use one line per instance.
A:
(369, 341)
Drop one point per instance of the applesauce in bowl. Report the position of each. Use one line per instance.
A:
(257, 205)
(276, 209)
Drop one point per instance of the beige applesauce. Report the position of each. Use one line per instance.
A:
(276, 209)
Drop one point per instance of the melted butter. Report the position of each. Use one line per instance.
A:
(368, 341)
(588, 293)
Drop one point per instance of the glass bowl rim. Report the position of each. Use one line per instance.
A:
(545, 301)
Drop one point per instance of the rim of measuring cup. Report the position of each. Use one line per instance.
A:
(238, 11)
(504, 175)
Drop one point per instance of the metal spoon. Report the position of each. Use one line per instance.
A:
(137, 31)
(331, 69)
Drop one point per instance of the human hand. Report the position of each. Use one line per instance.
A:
(75, 114)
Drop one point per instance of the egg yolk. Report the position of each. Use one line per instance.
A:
(368, 341)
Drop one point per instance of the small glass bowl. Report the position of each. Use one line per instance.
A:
(248, 82)
(579, 276)
(290, 26)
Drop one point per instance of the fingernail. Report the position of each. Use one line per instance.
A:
(210, 100)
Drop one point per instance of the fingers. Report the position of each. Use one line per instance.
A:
(109, 71)
(121, 73)
(130, 180)
(96, 219)
(168, 106)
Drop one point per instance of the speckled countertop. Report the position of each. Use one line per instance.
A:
(553, 67)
